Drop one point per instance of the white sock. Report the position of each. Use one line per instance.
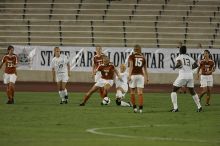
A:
(61, 93)
(124, 103)
(65, 92)
(174, 100)
(196, 100)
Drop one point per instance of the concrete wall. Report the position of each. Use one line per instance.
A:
(41, 76)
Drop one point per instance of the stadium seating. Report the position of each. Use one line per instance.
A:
(116, 23)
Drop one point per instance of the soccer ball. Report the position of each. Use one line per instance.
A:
(106, 101)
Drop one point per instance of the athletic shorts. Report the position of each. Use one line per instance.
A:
(137, 81)
(62, 77)
(179, 82)
(102, 82)
(206, 80)
(124, 86)
(9, 78)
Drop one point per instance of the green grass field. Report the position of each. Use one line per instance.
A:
(37, 119)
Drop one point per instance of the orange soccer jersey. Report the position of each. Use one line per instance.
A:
(107, 71)
(10, 63)
(206, 66)
(138, 63)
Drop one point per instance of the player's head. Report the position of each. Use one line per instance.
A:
(183, 50)
(10, 49)
(122, 68)
(106, 60)
(137, 49)
(180, 44)
(98, 50)
(56, 51)
(206, 54)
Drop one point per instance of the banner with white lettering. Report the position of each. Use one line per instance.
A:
(159, 60)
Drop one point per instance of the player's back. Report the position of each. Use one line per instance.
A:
(186, 66)
(138, 63)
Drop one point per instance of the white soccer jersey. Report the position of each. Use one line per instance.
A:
(124, 77)
(185, 72)
(60, 64)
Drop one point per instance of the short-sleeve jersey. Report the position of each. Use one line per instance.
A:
(10, 63)
(107, 71)
(124, 78)
(138, 63)
(97, 60)
(60, 64)
(186, 71)
(206, 66)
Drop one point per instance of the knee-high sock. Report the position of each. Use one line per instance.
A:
(141, 101)
(196, 100)
(65, 92)
(123, 103)
(174, 100)
(62, 95)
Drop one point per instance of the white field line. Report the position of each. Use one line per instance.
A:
(98, 132)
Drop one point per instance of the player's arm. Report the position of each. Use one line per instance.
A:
(198, 71)
(53, 74)
(130, 69)
(146, 79)
(93, 68)
(2, 63)
(68, 68)
(178, 64)
(117, 73)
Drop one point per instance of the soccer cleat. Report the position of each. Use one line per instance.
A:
(207, 104)
(61, 102)
(135, 110)
(140, 111)
(199, 110)
(82, 104)
(174, 110)
(10, 102)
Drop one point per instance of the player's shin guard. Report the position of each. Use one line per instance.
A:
(174, 100)
(65, 92)
(133, 100)
(141, 101)
(62, 95)
(196, 100)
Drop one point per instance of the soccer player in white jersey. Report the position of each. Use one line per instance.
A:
(121, 86)
(185, 64)
(61, 73)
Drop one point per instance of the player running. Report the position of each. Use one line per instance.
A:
(98, 60)
(122, 86)
(10, 75)
(185, 64)
(107, 70)
(138, 76)
(207, 67)
(61, 73)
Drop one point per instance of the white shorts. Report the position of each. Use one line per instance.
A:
(206, 80)
(179, 82)
(124, 86)
(9, 78)
(136, 81)
(102, 82)
(62, 77)
(98, 76)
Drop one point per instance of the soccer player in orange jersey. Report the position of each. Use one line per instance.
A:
(10, 60)
(207, 67)
(108, 71)
(98, 60)
(138, 76)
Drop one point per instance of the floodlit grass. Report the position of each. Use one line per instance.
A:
(37, 119)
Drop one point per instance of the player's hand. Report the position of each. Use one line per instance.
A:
(146, 81)
(129, 78)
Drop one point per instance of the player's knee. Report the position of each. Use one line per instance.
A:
(118, 101)
(119, 94)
